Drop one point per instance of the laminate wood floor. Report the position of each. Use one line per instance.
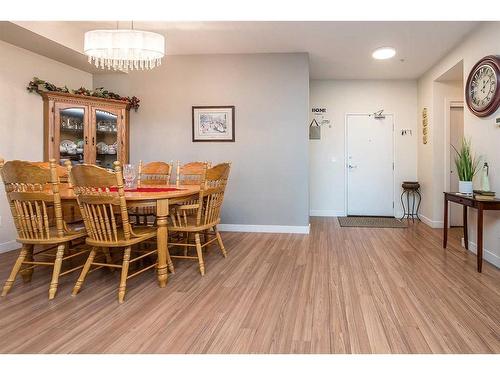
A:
(338, 290)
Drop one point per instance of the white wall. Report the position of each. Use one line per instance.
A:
(442, 92)
(21, 117)
(269, 175)
(483, 132)
(327, 164)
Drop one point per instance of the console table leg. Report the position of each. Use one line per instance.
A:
(479, 238)
(466, 231)
(445, 223)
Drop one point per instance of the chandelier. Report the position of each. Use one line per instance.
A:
(124, 49)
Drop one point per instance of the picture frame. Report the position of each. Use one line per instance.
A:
(213, 123)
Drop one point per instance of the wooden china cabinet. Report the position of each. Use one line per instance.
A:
(85, 129)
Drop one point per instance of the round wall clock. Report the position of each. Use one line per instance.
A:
(482, 91)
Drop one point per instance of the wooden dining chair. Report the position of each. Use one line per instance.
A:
(33, 194)
(200, 217)
(153, 173)
(101, 197)
(62, 171)
(191, 173)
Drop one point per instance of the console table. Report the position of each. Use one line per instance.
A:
(480, 205)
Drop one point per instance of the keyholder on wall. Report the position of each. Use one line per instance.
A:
(378, 115)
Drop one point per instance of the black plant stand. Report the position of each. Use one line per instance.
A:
(411, 190)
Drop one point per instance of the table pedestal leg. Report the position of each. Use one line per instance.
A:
(161, 238)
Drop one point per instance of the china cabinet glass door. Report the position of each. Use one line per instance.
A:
(107, 136)
(70, 134)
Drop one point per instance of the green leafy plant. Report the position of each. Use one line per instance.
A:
(467, 164)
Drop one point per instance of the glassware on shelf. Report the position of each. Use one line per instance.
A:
(129, 174)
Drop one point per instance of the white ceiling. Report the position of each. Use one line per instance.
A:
(337, 50)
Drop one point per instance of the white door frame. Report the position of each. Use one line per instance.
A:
(346, 153)
(448, 105)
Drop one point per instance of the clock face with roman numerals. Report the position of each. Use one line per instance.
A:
(482, 91)
(483, 87)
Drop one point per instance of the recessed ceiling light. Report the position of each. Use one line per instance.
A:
(384, 53)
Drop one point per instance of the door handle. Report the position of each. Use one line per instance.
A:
(352, 166)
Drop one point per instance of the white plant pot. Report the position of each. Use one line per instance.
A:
(465, 187)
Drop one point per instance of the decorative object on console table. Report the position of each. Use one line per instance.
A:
(467, 166)
(482, 91)
(410, 189)
(484, 195)
(485, 181)
(213, 123)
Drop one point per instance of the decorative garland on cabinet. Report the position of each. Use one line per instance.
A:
(37, 85)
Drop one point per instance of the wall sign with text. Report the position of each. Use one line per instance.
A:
(319, 118)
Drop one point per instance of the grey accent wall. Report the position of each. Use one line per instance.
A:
(269, 177)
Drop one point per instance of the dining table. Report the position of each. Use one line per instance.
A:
(163, 196)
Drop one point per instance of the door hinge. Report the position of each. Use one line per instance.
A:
(53, 110)
(392, 165)
(392, 204)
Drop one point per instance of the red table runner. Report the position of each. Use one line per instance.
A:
(146, 189)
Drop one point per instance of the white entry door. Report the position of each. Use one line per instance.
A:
(370, 165)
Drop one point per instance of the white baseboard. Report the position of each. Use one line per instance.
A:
(8, 246)
(488, 256)
(12, 245)
(328, 213)
(264, 228)
(429, 222)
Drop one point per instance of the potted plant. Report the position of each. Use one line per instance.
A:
(467, 166)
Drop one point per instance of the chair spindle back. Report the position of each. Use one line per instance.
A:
(154, 173)
(32, 191)
(212, 193)
(62, 172)
(191, 173)
(98, 204)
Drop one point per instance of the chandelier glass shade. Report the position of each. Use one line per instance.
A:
(124, 49)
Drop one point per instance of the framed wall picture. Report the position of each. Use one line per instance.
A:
(213, 123)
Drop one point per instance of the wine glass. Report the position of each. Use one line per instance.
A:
(129, 174)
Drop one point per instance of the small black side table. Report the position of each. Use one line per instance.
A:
(411, 189)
